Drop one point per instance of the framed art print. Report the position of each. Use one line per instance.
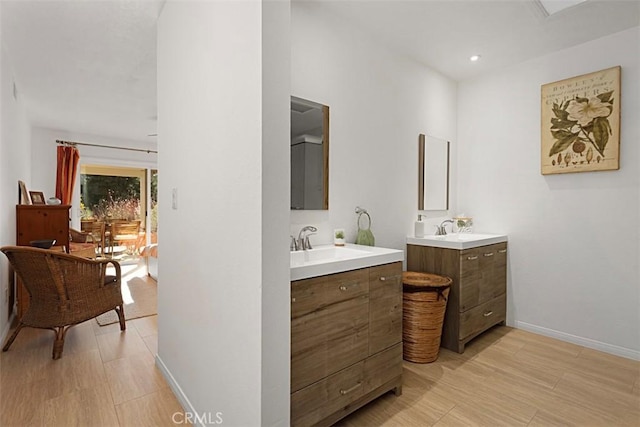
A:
(581, 123)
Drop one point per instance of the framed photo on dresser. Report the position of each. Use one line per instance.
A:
(37, 198)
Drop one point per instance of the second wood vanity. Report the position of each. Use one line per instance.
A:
(346, 341)
(477, 300)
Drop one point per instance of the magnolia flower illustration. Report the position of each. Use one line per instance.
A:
(584, 112)
(582, 121)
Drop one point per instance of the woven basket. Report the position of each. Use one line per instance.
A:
(424, 303)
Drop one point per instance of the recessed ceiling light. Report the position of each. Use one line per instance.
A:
(474, 58)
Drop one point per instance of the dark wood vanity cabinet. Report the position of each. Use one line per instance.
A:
(346, 342)
(477, 300)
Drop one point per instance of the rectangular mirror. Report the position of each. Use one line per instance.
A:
(309, 155)
(433, 173)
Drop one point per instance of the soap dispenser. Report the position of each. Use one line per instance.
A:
(419, 228)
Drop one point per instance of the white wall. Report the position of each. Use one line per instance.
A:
(276, 295)
(573, 238)
(379, 103)
(216, 345)
(14, 165)
(44, 158)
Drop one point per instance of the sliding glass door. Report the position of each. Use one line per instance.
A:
(123, 201)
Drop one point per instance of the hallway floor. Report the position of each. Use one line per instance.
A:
(104, 378)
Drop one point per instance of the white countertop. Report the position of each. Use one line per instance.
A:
(458, 240)
(330, 259)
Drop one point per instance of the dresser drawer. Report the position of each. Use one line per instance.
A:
(483, 316)
(328, 339)
(317, 401)
(309, 295)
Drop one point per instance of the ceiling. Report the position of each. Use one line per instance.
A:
(90, 66)
(444, 34)
(85, 66)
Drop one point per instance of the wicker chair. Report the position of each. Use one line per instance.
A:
(82, 244)
(64, 290)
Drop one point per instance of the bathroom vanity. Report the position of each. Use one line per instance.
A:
(346, 330)
(477, 264)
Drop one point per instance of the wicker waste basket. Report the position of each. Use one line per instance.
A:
(424, 302)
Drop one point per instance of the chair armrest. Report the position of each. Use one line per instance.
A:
(80, 236)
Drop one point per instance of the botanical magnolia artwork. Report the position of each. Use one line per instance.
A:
(581, 123)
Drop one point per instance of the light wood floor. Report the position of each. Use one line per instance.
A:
(510, 377)
(506, 377)
(104, 378)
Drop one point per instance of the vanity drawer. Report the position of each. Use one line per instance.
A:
(385, 306)
(493, 265)
(388, 275)
(469, 278)
(383, 367)
(483, 274)
(328, 339)
(309, 295)
(483, 316)
(317, 401)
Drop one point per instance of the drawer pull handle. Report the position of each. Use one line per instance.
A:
(293, 300)
(349, 390)
(385, 278)
(488, 313)
(470, 258)
(489, 254)
(346, 287)
(502, 251)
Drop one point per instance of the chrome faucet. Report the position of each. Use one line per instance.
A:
(302, 243)
(441, 230)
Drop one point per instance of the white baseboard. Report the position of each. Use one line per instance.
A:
(7, 328)
(585, 342)
(177, 390)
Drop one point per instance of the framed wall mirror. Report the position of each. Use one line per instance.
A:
(433, 173)
(309, 155)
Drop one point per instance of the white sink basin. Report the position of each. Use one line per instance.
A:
(325, 254)
(329, 259)
(458, 240)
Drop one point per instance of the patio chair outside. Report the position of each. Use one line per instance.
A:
(124, 233)
(97, 230)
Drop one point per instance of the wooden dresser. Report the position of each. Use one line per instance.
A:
(38, 222)
(478, 297)
(346, 342)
